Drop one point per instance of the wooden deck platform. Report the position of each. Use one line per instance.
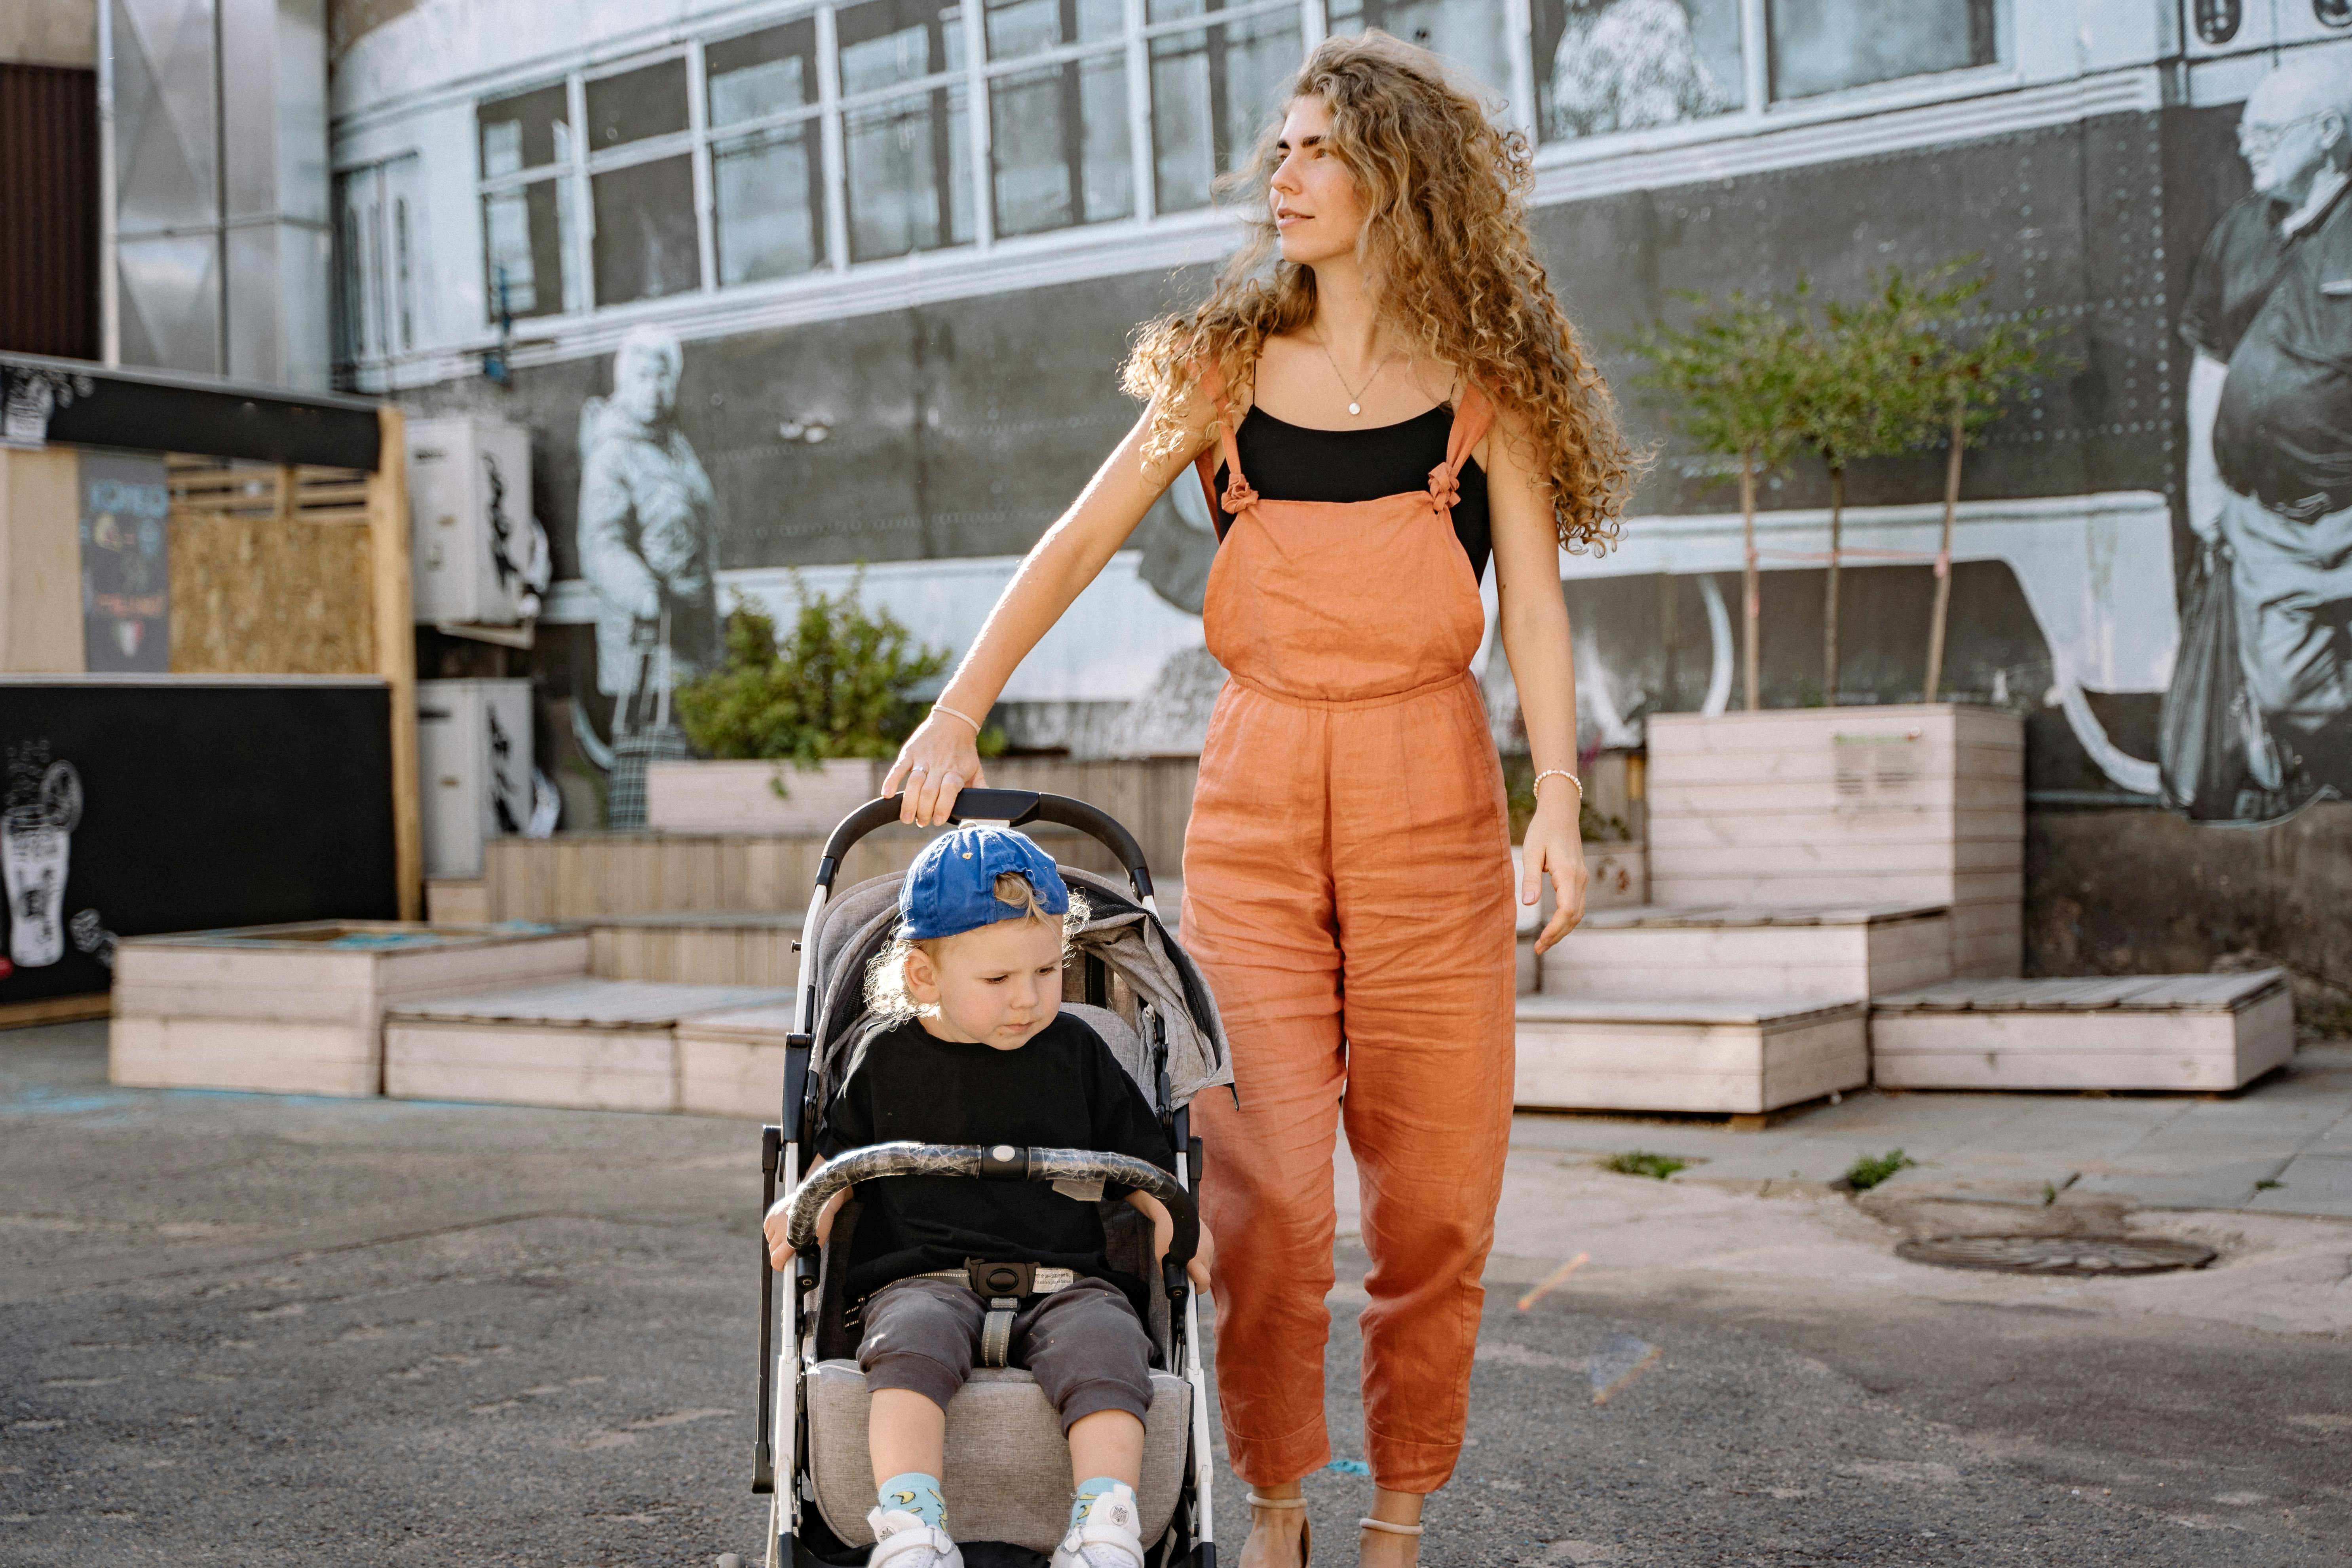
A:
(1741, 1057)
(1750, 952)
(732, 1063)
(584, 1043)
(2212, 1032)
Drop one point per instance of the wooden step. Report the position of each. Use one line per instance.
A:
(299, 1009)
(587, 1045)
(714, 947)
(1688, 1054)
(732, 1063)
(2210, 1032)
(1750, 952)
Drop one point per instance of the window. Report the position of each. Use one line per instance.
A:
(375, 298)
(1213, 91)
(1634, 64)
(1472, 33)
(906, 135)
(527, 222)
(641, 185)
(768, 185)
(1057, 132)
(1822, 46)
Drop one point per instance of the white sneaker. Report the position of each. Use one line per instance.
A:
(904, 1541)
(1109, 1534)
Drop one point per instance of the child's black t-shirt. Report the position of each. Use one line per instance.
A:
(1062, 1089)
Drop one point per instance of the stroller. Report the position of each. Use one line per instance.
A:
(1007, 1466)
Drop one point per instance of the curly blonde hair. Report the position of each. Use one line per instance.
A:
(886, 995)
(1445, 238)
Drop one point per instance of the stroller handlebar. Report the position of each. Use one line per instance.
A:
(1015, 807)
(997, 1162)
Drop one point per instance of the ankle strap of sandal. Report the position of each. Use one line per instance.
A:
(1257, 1502)
(1384, 1526)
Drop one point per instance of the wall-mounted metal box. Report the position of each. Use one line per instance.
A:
(471, 532)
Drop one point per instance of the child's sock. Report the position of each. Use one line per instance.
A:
(914, 1493)
(1087, 1491)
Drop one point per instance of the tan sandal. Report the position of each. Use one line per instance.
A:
(1305, 1526)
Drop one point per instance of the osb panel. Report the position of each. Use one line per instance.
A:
(269, 570)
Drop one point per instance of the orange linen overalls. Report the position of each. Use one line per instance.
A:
(1348, 891)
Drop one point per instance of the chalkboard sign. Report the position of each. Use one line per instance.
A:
(137, 805)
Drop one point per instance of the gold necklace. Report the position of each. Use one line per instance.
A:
(1355, 398)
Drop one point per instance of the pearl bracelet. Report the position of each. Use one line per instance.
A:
(1537, 788)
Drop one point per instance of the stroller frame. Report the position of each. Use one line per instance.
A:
(782, 1431)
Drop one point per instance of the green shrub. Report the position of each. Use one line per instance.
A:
(1657, 1167)
(1869, 1170)
(837, 683)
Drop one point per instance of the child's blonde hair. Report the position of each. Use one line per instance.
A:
(886, 995)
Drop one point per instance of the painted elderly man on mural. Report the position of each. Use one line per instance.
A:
(2270, 429)
(645, 515)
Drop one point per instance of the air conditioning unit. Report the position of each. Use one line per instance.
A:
(479, 557)
(473, 748)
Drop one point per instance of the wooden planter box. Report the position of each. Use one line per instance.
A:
(1739, 1058)
(1750, 952)
(741, 798)
(582, 1044)
(733, 1063)
(299, 1009)
(2146, 1032)
(1914, 804)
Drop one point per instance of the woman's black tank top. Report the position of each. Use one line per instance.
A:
(1292, 462)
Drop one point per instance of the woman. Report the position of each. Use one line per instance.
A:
(1405, 396)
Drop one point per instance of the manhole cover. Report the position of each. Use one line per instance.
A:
(2056, 1253)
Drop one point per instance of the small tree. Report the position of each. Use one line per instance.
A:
(1859, 396)
(1964, 384)
(838, 683)
(1730, 382)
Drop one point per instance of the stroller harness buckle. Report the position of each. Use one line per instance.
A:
(1004, 1285)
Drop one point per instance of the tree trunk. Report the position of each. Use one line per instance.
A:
(1830, 605)
(1749, 604)
(1935, 622)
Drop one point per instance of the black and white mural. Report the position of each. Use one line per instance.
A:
(910, 410)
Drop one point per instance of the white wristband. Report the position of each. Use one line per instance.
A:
(1537, 788)
(943, 708)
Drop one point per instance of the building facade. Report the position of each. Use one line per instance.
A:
(849, 282)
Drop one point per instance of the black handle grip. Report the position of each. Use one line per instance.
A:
(1018, 806)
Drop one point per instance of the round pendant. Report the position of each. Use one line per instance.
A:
(1355, 408)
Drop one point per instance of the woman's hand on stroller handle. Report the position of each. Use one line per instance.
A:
(939, 762)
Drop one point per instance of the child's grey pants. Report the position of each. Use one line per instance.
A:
(1083, 1344)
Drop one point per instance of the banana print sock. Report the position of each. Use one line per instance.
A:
(914, 1493)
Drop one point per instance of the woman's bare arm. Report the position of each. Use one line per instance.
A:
(1050, 578)
(1543, 663)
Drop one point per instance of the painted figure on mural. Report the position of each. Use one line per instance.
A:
(1624, 64)
(2270, 433)
(645, 516)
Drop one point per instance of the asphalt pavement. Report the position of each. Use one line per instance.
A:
(240, 1329)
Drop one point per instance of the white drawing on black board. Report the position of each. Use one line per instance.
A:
(35, 836)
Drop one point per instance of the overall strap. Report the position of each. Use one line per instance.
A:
(1473, 414)
(1238, 497)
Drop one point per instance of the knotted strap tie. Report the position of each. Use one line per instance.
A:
(1444, 489)
(1239, 497)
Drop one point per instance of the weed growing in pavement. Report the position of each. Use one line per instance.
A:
(1658, 1167)
(1869, 1170)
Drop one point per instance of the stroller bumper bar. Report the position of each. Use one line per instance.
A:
(999, 1163)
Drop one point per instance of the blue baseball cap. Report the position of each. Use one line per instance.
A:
(951, 886)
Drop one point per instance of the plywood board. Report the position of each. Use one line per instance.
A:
(733, 1078)
(1676, 1062)
(241, 1054)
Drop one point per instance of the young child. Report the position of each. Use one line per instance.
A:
(981, 1055)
